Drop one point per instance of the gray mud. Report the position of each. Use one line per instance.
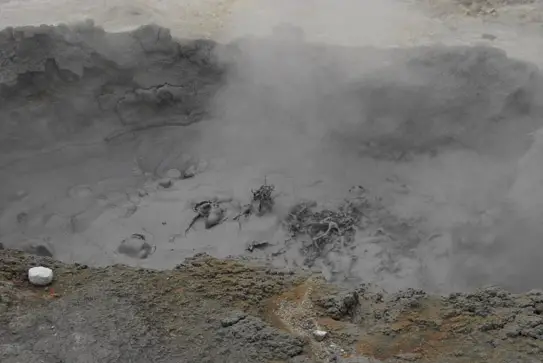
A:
(93, 123)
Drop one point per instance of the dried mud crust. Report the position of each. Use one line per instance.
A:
(210, 310)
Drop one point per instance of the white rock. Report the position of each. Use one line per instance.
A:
(319, 335)
(40, 276)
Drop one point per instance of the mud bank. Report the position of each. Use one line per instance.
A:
(59, 82)
(209, 310)
(94, 121)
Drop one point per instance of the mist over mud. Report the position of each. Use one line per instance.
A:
(440, 140)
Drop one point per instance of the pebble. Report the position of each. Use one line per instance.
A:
(173, 174)
(40, 276)
(165, 183)
(233, 319)
(319, 335)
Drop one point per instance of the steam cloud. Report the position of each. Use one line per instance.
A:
(300, 101)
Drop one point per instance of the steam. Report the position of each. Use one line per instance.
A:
(271, 109)
(285, 102)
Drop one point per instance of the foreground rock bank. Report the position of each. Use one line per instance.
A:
(209, 310)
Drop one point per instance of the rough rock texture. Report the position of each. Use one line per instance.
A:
(210, 310)
(129, 315)
(58, 81)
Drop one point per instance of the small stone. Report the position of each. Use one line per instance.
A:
(539, 309)
(190, 172)
(319, 335)
(233, 319)
(40, 276)
(173, 174)
(165, 183)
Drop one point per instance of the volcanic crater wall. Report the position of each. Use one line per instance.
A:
(56, 81)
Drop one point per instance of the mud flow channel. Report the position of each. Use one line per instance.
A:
(412, 167)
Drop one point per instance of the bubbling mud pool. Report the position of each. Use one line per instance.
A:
(101, 128)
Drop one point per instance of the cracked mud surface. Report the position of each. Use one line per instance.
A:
(209, 310)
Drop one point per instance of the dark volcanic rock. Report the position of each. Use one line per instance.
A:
(340, 305)
(255, 338)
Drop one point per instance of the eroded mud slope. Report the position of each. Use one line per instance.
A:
(209, 310)
(58, 81)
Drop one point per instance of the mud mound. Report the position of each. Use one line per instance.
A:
(210, 310)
